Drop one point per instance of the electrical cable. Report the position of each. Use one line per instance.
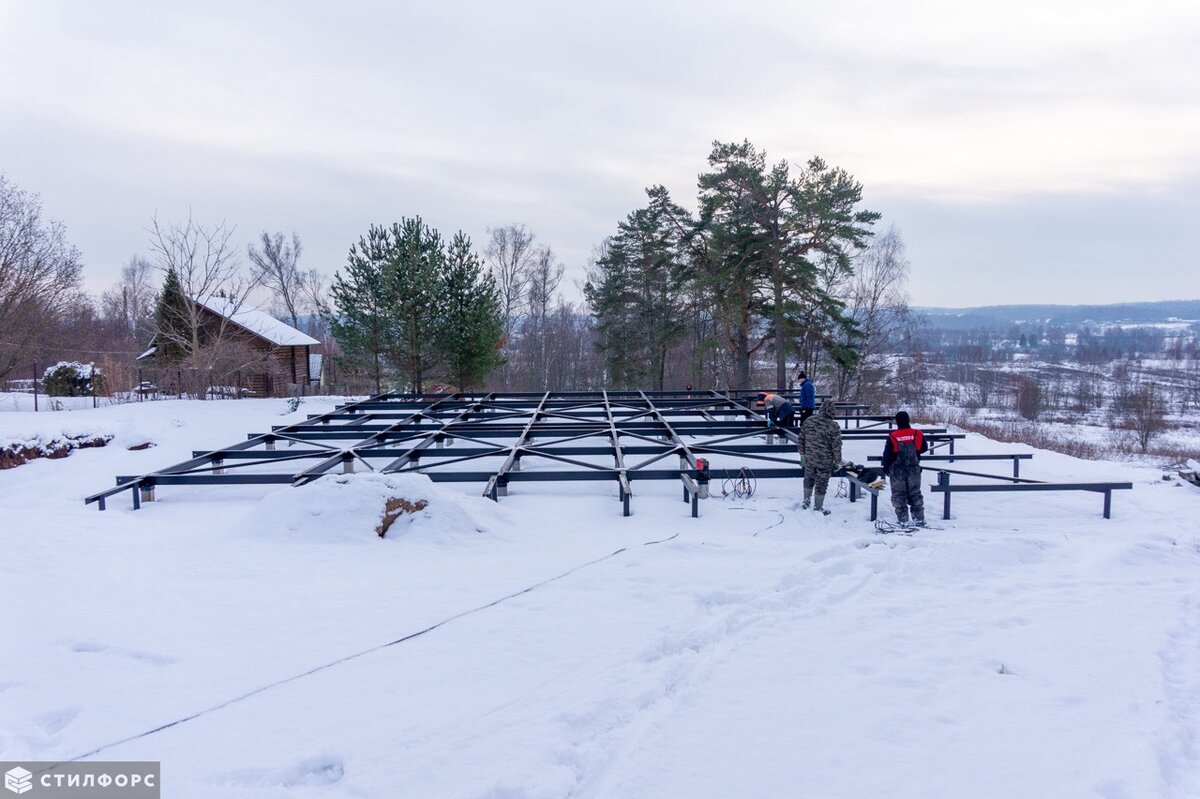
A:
(361, 653)
(741, 486)
(884, 528)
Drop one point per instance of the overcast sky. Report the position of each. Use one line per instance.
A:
(1027, 151)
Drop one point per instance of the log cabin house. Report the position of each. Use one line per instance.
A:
(287, 355)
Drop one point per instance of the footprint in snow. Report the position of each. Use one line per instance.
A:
(91, 647)
(313, 772)
(56, 721)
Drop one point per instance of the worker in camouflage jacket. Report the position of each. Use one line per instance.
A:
(821, 450)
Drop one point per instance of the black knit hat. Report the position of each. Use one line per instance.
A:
(801, 375)
(902, 420)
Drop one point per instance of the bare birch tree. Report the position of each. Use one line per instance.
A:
(877, 300)
(131, 301)
(39, 274)
(509, 255)
(275, 266)
(198, 329)
(545, 274)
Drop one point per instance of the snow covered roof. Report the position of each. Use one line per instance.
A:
(259, 323)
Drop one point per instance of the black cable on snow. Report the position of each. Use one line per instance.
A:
(364, 652)
(768, 527)
(885, 528)
(762, 510)
(741, 485)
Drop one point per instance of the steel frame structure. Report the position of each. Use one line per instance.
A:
(489, 438)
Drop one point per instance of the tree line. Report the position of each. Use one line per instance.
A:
(775, 262)
(777, 268)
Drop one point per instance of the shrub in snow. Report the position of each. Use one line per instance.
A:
(72, 379)
(15, 453)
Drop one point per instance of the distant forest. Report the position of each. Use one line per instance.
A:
(1002, 316)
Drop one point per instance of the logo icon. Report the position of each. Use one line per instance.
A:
(18, 780)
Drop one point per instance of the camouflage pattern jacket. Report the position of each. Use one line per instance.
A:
(821, 439)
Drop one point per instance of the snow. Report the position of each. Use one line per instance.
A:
(259, 323)
(82, 370)
(345, 509)
(1028, 648)
(23, 401)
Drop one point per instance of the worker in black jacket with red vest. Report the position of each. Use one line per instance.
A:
(902, 464)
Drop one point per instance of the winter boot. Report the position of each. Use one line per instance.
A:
(818, 502)
(807, 497)
(919, 521)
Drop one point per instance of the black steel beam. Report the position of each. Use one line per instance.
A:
(559, 428)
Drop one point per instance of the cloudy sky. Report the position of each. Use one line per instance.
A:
(1040, 151)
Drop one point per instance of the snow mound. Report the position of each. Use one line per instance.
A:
(352, 508)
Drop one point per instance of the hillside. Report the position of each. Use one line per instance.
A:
(1001, 316)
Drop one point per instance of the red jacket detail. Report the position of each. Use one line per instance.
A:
(902, 436)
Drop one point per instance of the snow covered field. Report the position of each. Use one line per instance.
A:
(1028, 649)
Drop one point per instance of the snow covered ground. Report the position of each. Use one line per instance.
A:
(1029, 648)
(21, 401)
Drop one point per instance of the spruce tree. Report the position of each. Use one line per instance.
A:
(172, 328)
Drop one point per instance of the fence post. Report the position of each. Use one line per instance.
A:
(179, 382)
(140, 385)
(35, 398)
(239, 384)
(944, 481)
(92, 385)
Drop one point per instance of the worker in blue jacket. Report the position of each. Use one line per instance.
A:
(808, 397)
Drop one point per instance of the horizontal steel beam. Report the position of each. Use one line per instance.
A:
(979, 487)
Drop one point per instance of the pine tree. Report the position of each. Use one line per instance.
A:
(731, 260)
(406, 301)
(412, 280)
(609, 294)
(638, 295)
(473, 320)
(774, 248)
(828, 229)
(358, 320)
